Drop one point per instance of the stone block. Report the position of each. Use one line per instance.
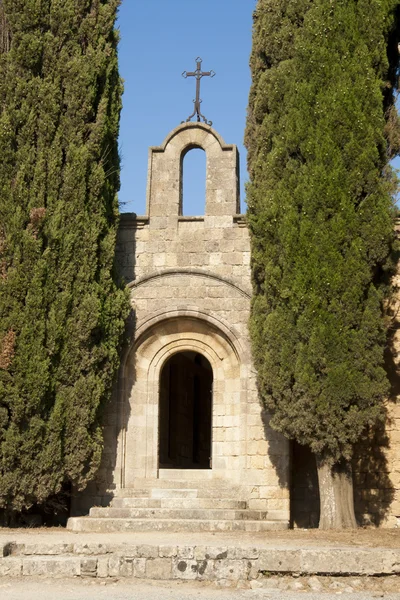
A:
(219, 434)
(52, 566)
(250, 553)
(279, 561)
(159, 568)
(102, 567)
(167, 551)
(10, 567)
(233, 258)
(89, 549)
(119, 566)
(139, 567)
(214, 552)
(278, 504)
(219, 463)
(200, 552)
(147, 551)
(315, 584)
(273, 492)
(185, 552)
(88, 567)
(343, 561)
(216, 259)
(231, 570)
(258, 504)
(233, 434)
(159, 260)
(257, 432)
(257, 462)
(205, 570)
(47, 549)
(183, 568)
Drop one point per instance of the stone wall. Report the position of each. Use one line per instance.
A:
(294, 567)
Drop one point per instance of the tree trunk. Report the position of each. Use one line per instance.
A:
(5, 33)
(336, 495)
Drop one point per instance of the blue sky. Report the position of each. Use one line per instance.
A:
(159, 40)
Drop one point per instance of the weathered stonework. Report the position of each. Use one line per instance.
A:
(190, 290)
(343, 568)
(189, 279)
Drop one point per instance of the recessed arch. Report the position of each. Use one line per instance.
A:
(140, 386)
(195, 321)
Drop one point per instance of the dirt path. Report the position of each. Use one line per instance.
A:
(368, 538)
(23, 589)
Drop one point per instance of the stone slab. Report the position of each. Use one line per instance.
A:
(111, 524)
(60, 566)
(230, 560)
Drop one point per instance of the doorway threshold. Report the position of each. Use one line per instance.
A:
(199, 474)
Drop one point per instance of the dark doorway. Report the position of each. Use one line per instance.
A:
(304, 495)
(186, 412)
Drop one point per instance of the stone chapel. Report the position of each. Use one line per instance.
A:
(187, 442)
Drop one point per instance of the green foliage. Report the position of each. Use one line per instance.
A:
(62, 310)
(321, 130)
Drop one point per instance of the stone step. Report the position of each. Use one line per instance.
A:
(179, 493)
(178, 503)
(132, 493)
(173, 493)
(183, 492)
(108, 525)
(184, 474)
(220, 484)
(221, 514)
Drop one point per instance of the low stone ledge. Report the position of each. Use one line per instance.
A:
(201, 563)
(333, 561)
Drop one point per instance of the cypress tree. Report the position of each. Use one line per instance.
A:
(321, 130)
(62, 309)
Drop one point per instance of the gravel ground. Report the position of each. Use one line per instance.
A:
(368, 538)
(22, 589)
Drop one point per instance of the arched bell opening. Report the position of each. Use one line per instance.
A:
(193, 177)
(185, 412)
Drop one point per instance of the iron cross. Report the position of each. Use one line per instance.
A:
(198, 74)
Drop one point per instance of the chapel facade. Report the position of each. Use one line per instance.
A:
(187, 408)
(186, 430)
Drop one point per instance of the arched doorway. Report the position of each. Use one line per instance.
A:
(185, 412)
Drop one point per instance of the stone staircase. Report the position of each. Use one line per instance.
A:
(178, 505)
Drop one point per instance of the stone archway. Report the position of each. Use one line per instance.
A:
(185, 412)
(139, 443)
